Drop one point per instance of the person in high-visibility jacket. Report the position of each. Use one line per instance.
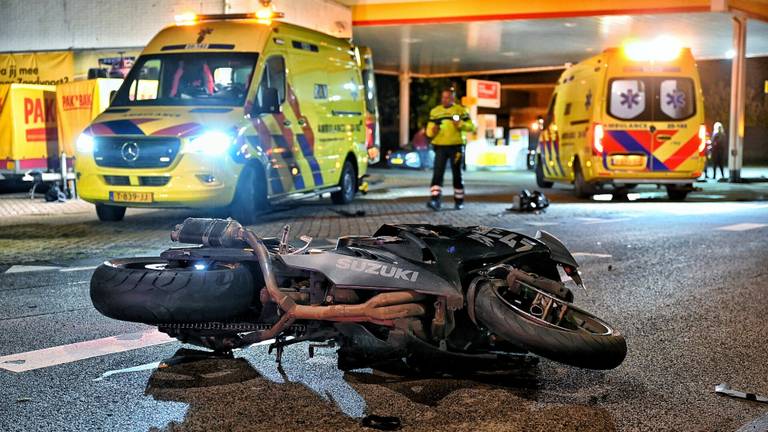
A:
(448, 123)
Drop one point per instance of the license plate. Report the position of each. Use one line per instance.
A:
(397, 161)
(627, 160)
(135, 197)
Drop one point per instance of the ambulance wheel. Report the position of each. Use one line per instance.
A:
(250, 196)
(540, 181)
(676, 193)
(583, 189)
(110, 213)
(348, 184)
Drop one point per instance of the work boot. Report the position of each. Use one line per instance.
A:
(458, 203)
(434, 203)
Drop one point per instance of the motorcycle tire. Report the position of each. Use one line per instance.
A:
(573, 347)
(148, 290)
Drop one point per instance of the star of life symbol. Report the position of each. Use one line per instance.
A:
(630, 98)
(676, 98)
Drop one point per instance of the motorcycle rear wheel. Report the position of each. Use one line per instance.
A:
(149, 290)
(599, 347)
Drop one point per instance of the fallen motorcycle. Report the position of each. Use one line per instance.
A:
(412, 293)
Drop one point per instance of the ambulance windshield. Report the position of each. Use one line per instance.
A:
(188, 79)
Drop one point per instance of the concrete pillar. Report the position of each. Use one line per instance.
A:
(405, 106)
(738, 103)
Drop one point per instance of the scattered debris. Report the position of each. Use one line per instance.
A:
(610, 267)
(359, 213)
(54, 193)
(388, 423)
(527, 201)
(23, 399)
(725, 389)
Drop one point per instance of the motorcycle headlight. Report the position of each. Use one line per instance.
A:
(211, 143)
(84, 143)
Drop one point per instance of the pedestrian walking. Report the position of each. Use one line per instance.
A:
(448, 124)
(719, 150)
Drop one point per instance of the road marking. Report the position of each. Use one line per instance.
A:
(29, 268)
(543, 223)
(590, 254)
(53, 356)
(742, 227)
(71, 269)
(600, 221)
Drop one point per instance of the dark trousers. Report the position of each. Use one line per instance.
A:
(718, 160)
(454, 155)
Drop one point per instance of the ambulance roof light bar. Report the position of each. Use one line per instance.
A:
(264, 15)
(662, 48)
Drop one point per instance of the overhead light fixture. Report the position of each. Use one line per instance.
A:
(731, 53)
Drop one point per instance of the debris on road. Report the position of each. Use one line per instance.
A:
(23, 399)
(387, 423)
(359, 213)
(725, 389)
(527, 201)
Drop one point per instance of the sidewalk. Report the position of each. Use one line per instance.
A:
(19, 204)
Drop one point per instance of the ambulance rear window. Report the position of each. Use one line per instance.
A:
(652, 98)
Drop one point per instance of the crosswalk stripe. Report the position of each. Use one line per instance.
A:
(57, 355)
(742, 227)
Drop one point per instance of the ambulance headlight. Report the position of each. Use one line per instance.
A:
(211, 143)
(84, 143)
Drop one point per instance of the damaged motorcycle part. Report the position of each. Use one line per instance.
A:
(415, 294)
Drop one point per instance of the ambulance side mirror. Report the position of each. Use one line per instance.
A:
(270, 103)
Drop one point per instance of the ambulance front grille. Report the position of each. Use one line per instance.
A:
(135, 152)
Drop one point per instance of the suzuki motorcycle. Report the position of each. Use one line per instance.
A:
(409, 293)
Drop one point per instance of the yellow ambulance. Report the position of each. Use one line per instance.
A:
(230, 111)
(626, 116)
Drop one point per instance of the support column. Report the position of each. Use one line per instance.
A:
(738, 103)
(405, 105)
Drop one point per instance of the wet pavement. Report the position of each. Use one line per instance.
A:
(687, 283)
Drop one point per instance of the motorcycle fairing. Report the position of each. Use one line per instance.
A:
(348, 268)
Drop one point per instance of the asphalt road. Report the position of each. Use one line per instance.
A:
(687, 283)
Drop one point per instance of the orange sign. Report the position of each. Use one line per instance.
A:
(485, 93)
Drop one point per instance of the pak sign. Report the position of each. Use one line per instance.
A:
(486, 94)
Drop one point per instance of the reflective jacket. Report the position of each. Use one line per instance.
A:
(448, 133)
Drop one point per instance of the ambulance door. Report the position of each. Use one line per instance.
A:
(628, 141)
(308, 104)
(675, 140)
(276, 131)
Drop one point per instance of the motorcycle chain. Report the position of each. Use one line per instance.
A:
(296, 329)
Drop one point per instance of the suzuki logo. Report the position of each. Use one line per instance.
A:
(130, 151)
(377, 269)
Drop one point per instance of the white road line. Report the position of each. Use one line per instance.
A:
(605, 221)
(71, 269)
(742, 227)
(29, 268)
(53, 356)
(590, 254)
(543, 223)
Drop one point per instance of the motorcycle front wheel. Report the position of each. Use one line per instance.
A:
(155, 291)
(586, 342)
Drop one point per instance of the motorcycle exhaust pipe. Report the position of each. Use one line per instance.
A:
(209, 232)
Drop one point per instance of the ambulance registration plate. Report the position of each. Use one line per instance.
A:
(628, 161)
(131, 197)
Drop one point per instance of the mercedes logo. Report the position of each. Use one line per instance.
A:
(130, 151)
